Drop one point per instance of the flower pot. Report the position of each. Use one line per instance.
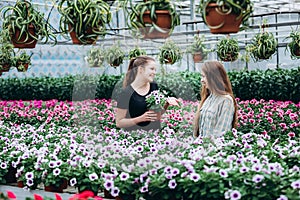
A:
(10, 176)
(25, 67)
(21, 42)
(219, 22)
(197, 57)
(296, 52)
(5, 67)
(107, 195)
(20, 184)
(75, 39)
(163, 21)
(60, 188)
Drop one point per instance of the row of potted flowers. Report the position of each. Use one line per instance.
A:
(275, 118)
(153, 165)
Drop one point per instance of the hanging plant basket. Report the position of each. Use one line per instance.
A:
(198, 57)
(221, 22)
(162, 25)
(22, 67)
(26, 40)
(5, 67)
(76, 40)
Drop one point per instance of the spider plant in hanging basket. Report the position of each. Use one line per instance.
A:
(22, 61)
(153, 19)
(294, 45)
(228, 49)
(136, 52)
(198, 48)
(6, 52)
(115, 55)
(26, 25)
(95, 57)
(262, 47)
(85, 20)
(225, 16)
(169, 53)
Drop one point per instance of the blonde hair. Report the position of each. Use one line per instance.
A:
(134, 63)
(219, 84)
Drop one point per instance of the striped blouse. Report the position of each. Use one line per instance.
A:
(216, 115)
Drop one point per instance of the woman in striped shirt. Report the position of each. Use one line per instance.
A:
(217, 109)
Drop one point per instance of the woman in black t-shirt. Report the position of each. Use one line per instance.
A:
(132, 113)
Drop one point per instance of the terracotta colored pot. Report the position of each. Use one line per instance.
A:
(107, 195)
(22, 42)
(26, 65)
(20, 184)
(221, 22)
(163, 21)
(197, 57)
(6, 68)
(75, 39)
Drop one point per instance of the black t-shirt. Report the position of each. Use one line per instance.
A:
(136, 106)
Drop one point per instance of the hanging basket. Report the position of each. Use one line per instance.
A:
(163, 22)
(220, 22)
(5, 67)
(75, 39)
(23, 41)
(197, 57)
(24, 68)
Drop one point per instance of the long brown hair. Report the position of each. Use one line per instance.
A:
(134, 63)
(219, 84)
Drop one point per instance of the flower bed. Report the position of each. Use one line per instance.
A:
(260, 160)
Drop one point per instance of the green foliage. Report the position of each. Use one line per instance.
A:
(278, 84)
(228, 49)
(169, 53)
(136, 52)
(95, 57)
(263, 46)
(115, 55)
(198, 46)
(83, 15)
(294, 44)
(6, 49)
(23, 15)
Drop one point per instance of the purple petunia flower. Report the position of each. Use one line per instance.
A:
(257, 178)
(29, 175)
(93, 176)
(223, 173)
(194, 177)
(124, 176)
(235, 195)
(73, 182)
(172, 184)
(108, 184)
(115, 191)
(56, 171)
(296, 184)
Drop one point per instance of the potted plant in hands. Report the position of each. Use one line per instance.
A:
(228, 49)
(22, 61)
(225, 16)
(263, 46)
(153, 19)
(26, 25)
(169, 53)
(95, 57)
(136, 52)
(115, 55)
(294, 44)
(198, 49)
(85, 20)
(6, 52)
